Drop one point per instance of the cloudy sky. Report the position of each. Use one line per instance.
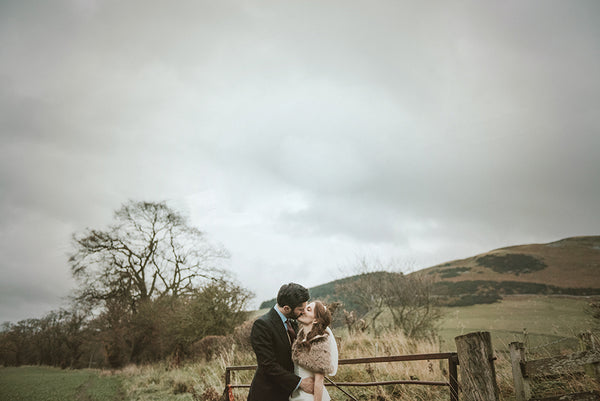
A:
(302, 135)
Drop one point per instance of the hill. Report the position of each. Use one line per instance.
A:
(569, 267)
(568, 263)
(325, 291)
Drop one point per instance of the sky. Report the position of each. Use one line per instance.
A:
(303, 136)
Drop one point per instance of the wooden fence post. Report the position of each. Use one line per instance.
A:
(517, 357)
(453, 377)
(477, 371)
(587, 342)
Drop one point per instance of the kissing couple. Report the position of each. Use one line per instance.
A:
(294, 349)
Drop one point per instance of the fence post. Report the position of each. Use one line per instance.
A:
(477, 371)
(517, 356)
(587, 342)
(227, 393)
(453, 377)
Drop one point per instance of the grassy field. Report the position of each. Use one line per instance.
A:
(552, 325)
(550, 322)
(29, 383)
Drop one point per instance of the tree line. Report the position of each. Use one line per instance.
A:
(151, 287)
(148, 287)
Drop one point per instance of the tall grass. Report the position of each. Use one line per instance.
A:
(204, 380)
(194, 380)
(552, 327)
(388, 343)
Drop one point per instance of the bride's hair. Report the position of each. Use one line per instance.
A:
(322, 321)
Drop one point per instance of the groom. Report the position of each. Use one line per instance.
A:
(271, 337)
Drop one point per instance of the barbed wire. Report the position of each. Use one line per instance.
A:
(528, 348)
(552, 343)
(526, 341)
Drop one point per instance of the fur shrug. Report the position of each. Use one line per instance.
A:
(317, 357)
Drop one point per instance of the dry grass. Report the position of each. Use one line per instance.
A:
(204, 380)
(200, 380)
(572, 382)
(391, 343)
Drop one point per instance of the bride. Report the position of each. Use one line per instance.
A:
(314, 352)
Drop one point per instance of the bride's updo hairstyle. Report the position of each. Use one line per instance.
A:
(322, 321)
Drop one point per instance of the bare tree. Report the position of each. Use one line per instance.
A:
(407, 298)
(365, 290)
(149, 251)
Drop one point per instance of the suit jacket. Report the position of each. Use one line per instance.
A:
(274, 379)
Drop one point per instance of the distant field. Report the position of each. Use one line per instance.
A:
(551, 322)
(29, 383)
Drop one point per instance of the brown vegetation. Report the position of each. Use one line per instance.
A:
(210, 347)
(572, 262)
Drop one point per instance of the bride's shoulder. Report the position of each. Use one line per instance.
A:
(320, 337)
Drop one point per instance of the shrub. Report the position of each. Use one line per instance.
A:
(454, 272)
(475, 299)
(241, 336)
(210, 394)
(180, 387)
(211, 346)
(512, 263)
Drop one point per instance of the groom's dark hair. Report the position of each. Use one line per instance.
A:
(292, 295)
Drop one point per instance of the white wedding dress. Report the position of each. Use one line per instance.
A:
(299, 395)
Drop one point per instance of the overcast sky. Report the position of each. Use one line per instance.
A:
(302, 135)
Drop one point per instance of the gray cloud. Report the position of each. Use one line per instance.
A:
(299, 136)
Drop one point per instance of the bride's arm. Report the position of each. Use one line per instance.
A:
(319, 383)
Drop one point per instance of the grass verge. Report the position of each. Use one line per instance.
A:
(28, 383)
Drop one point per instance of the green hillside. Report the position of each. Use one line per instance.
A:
(567, 267)
(328, 292)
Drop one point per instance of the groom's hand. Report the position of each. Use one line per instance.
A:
(308, 385)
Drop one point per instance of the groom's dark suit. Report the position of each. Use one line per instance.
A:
(274, 379)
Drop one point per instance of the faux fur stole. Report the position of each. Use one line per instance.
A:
(317, 357)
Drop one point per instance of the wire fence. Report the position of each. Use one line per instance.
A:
(450, 357)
